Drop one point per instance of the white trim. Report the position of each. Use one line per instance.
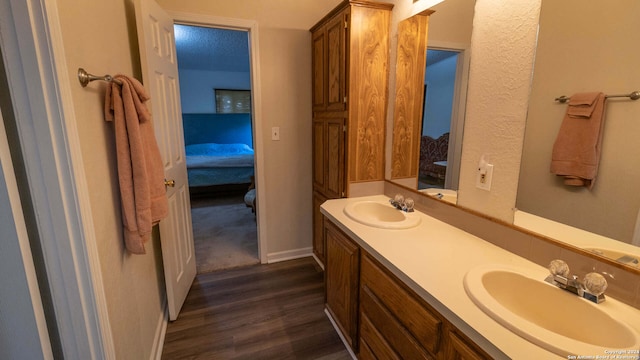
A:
(41, 95)
(161, 332)
(318, 261)
(289, 254)
(252, 27)
(22, 304)
(344, 340)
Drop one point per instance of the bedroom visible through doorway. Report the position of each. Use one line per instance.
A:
(215, 88)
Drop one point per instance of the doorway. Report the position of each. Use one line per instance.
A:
(443, 117)
(216, 87)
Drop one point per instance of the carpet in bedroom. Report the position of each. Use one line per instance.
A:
(224, 233)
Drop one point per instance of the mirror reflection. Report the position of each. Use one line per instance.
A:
(575, 55)
(430, 101)
(617, 74)
(439, 161)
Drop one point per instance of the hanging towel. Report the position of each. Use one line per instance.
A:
(140, 170)
(576, 152)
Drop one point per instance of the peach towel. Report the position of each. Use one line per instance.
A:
(576, 152)
(140, 169)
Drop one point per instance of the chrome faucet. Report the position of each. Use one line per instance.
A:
(400, 203)
(591, 288)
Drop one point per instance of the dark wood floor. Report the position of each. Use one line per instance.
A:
(270, 311)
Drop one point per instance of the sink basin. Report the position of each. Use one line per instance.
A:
(381, 215)
(546, 315)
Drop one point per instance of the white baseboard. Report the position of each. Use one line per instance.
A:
(289, 255)
(318, 261)
(161, 331)
(344, 341)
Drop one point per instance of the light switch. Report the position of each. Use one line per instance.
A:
(485, 175)
(275, 133)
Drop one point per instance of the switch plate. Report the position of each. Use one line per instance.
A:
(484, 177)
(275, 133)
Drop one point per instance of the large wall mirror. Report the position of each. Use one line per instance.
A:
(601, 58)
(582, 48)
(430, 97)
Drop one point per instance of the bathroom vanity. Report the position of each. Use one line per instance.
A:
(400, 293)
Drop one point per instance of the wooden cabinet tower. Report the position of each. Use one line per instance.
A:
(350, 64)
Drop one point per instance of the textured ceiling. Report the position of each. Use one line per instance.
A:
(203, 48)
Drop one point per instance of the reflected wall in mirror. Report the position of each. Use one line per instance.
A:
(425, 149)
(582, 48)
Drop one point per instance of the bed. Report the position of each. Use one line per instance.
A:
(213, 167)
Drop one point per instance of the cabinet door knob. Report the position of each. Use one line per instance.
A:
(170, 183)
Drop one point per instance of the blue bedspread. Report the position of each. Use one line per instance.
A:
(217, 164)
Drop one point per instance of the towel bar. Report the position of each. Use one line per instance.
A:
(85, 78)
(633, 96)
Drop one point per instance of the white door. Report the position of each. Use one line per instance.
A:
(160, 78)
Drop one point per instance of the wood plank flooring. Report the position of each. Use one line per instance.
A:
(273, 311)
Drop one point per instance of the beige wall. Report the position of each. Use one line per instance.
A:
(100, 36)
(566, 64)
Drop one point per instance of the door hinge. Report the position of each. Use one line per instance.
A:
(343, 195)
(344, 128)
(346, 24)
(344, 99)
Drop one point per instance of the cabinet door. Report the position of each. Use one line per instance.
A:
(329, 156)
(319, 66)
(318, 227)
(341, 274)
(335, 158)
(319, 154)
(336, 62)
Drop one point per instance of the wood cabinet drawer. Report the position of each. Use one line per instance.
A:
(397, 341)
(418, 321)
(462, 348)
(373, 345)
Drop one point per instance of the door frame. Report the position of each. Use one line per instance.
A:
(459, 108)
(192, 19)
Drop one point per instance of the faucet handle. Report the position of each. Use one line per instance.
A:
(595, 283)
(397, 201)
(408, 204)
(559, 267)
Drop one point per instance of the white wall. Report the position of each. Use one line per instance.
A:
(196, 88)
(502, 50)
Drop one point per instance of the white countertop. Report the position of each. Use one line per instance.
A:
(576, 237)
(433, 258)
